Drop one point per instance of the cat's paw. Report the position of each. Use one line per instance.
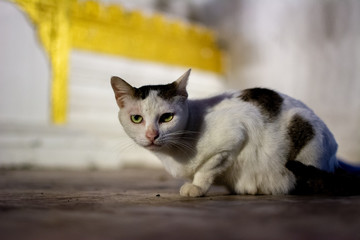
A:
(191, 190)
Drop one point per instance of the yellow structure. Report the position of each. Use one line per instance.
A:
(88, 25)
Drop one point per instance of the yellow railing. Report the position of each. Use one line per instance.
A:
(88, 25)
(51, 19)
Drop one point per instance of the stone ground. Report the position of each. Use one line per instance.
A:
(145, 204)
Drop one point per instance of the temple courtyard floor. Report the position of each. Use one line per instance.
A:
(145, 204)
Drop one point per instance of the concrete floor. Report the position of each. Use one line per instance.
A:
(145, 204)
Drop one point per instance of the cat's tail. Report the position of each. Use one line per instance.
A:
(348, 168)
(311, 180)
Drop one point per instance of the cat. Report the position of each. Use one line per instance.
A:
(243, 140)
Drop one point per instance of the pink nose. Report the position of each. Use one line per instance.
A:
(152, 134)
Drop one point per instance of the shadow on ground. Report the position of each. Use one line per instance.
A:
(145, 204)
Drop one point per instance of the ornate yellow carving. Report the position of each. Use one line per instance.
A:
(88, 25)
(112, 30)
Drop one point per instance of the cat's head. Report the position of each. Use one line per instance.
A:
(154, 115)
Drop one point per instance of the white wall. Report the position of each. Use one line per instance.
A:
(24, 69)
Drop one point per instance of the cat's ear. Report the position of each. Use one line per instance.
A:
(121, 89)
(182, 83)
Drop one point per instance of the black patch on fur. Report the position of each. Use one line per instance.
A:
(267, 100)
(310, 180)
(300, 133)
(166, 92)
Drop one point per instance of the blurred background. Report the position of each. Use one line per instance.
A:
(57, 108)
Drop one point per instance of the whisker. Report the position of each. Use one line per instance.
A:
(184, 147)
(181, 149)
(182, 141)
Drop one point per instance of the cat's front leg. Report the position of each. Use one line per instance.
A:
(205, 175)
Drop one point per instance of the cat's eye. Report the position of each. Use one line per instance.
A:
(166, 117)
(136, 119)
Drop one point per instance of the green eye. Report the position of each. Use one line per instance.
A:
(136, 119)
(166, 117)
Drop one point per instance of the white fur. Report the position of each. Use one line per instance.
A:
(227, 141)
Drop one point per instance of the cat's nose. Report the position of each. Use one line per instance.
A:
(152, 134)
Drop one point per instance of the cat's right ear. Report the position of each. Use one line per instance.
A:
(121, 89)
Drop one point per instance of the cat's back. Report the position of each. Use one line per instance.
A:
(254, 106)
(261, 103)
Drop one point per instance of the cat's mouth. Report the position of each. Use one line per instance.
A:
(153, 146)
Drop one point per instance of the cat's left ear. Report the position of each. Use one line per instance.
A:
(182, 83)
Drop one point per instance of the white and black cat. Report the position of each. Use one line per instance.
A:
(254, 141)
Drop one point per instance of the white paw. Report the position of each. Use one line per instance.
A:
(191, 190)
